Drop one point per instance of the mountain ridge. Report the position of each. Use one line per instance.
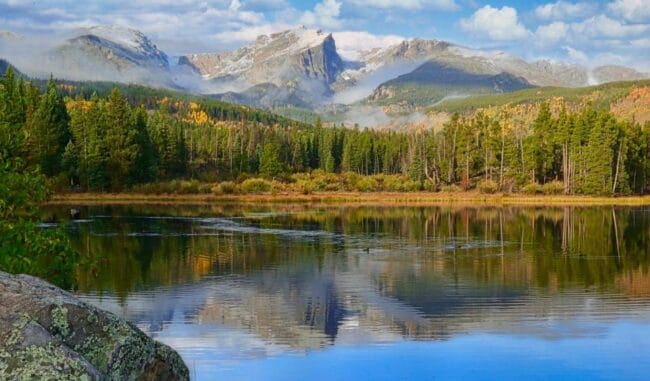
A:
(302, 68)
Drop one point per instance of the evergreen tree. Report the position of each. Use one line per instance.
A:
(144, 168)
(270, 164)
(120, 139)
(48, 131)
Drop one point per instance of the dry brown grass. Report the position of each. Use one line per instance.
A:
(384, 198)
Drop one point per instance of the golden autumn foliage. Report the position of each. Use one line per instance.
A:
(196, 116)
(66, 87)
(72, 104)
(631, 106)
(635, 106)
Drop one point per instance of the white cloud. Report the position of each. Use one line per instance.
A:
(604, 26)
(248, 34)
(576, 55)
(551, 33)
(325, 14)
(234, 5)
(187, 26)
(496, 24)
(349, 43)
(447, 5)
(632, 10)
(643, 43)
(563, 10)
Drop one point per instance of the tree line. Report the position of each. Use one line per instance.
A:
(115, 140)
(25, 247)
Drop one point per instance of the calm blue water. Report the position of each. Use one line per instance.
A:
(616, 352)
(301, 292)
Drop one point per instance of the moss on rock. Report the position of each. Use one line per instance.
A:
(46, 333)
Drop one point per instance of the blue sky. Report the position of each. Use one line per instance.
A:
(588, 32)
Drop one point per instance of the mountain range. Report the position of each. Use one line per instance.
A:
(301, 68)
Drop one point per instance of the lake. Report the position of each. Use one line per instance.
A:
(318, 292)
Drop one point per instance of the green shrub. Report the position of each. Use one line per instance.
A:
(531, 188)
(453, 188)
(185, 187)
(398, 183)
(305, 187)
(366, 184)
(59, 183)
(429, 186)
(226, 187)
(173, 187)
(487, 186)
(256, 185)
(553, 188)
(350, 180)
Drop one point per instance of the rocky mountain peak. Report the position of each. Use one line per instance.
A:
(131, 43)
(290, 56)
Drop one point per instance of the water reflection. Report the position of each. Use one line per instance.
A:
(225, 283)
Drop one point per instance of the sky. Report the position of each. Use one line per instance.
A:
(585, 32)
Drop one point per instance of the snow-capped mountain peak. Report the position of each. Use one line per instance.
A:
(264, 51)
(127, 39)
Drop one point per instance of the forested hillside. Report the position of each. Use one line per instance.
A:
(106, 141)
(626, 100)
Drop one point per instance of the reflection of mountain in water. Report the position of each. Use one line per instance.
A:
(372, 274)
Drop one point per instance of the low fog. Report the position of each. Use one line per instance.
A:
(368, 83)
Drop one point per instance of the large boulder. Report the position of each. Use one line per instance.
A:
(47, 333)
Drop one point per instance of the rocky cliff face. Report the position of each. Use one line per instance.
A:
(299, 67)
(302, 58)
(48, 334)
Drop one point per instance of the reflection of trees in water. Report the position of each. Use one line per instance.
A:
(415, 271)
(549, 248)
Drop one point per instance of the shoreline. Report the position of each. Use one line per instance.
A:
(354, 198)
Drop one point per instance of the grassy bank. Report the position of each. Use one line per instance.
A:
(384, 198)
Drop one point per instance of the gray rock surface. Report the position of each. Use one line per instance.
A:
(48, 334)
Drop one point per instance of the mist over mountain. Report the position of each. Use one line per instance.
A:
(299, 68)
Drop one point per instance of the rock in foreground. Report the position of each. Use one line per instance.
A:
(47, 333)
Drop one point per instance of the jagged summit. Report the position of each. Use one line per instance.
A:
(124, 36)
(110, 53)
(299, 67)
(128, 43)
(275, 57)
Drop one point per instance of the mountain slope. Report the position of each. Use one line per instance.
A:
(434, 81)
(266, 96)
(629, 100)
(302, 68)
(612, 73)
(299, 60)
(4, 65)
(109, 52)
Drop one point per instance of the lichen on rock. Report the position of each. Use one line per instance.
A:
(48, 334)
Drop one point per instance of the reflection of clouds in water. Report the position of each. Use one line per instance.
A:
(214, 342)
(377, 283)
